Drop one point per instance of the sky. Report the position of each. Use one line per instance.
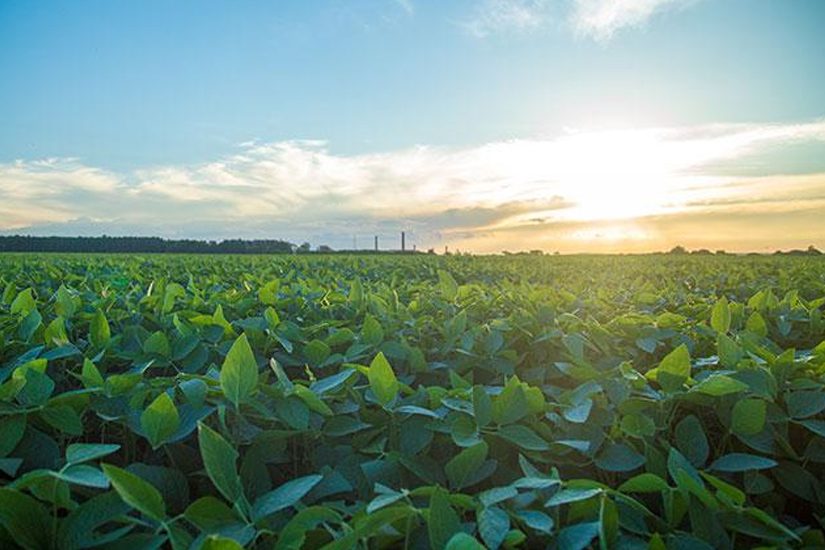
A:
(479, 125)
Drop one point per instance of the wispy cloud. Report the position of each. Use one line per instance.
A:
(601, 19)
(581, 189)
(495, 16)
(597, 19)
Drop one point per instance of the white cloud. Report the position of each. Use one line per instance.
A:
(495, 16)
(600, 19)
(301, 190)
(597, 19)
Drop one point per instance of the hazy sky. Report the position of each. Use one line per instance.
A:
(572, 125)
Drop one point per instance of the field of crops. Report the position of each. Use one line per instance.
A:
(411, 402)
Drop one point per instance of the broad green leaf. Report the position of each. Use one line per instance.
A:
(136, 492)
(442, 520)
(284, 496)
(748, 417)
(740, 462)
(217, 542)
(84, 452)
(219, 459)
(482, 406)
(11, 431)
(382, 380)
(618, 457)
(99, 331)
(26, 520)
(567, 496)
(91, 375)
(160, 420)
(718, 385)
(447, 285)
(644, 483)
(691, 440)
(524, 437)
(805, 403)
(720, 316)
(24, 303)
(511, 404)
(674, 369)
(756, 324)
(268, 294)
(239, 373)
(493, 525)
(372, 333)
(465, 464)
(463, 541)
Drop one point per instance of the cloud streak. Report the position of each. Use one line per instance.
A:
(601, 19)
(596, 19)
(558, 191)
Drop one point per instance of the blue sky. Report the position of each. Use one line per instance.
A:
(165, 117)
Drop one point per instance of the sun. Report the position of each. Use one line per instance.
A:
(615, 175)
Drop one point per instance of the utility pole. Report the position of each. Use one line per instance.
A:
(403, 242)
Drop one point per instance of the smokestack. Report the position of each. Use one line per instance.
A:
(376, 243)
(403, 242)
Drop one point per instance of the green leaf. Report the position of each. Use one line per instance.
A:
(11, 431)
(748, 417)
(511, 404)
(720, 316)
(638, 425)
(136, 492)
(578, 537)
(24, 303)
(284, 496)
(692, 441)
(567, 496)
(493, 525)
(83, 474)
(27, 521)
(756, 324)
(317, 352)
(644, 483)
(90, 376)
(442, 521)
(99, 331)
(84, 452)
(463, 541)
(718, 385)
(482, 406)
(219, 459)
(217, 542)
(160, 420)
(268, 294)
(447, 285)
(674, 369)
(740, 462)
(372, 334)
(239, 372)
(465, 464)
(618, 457)
(524, 437)
(382, 380)
(802, 404)
(730, 353)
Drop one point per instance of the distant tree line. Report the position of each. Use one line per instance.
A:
(25, 243)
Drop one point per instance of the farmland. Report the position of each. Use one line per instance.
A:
(411, 401)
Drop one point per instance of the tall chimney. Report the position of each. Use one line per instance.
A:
(403, 242)
(376, 243)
